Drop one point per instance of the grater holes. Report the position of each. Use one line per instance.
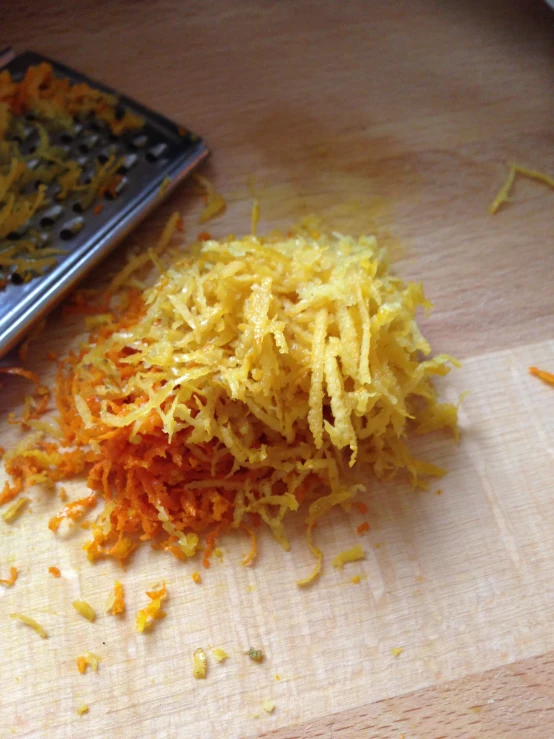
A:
(139, 141)
(72, 228)
(156, 151)
(52, 215)
(66, 138)
(77, 208)
(17, 279)
(114, 193)
(128, 163)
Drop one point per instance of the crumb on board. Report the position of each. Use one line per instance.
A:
(350, 555)
(438, 492)
(55, 571)
(360, 506)
(28, 621)
(268, 705)
(397, 651)
(199, 664)
(82, 710)
(8, 582)
(84, 609)
(220, 654)
(116, 601)
(88, 659)
(153, 611)
(256, 655)
(196, 577)
(362, 528)
(15, 510)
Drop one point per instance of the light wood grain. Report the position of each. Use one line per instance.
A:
(388, 116)
(509, 702)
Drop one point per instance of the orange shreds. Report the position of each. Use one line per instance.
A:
(88, 659)
(2, 451)
(12, 578)
(438, 492)
(543, 375)
(147, 616)
(197, 578)
(73, 511)
(204, 236)
(240, 385)
(359, 506)
(98, 208)
(55, 571)
(52, 356)
(251, 556)
(116, 602)
(82, 710)
(362, 528)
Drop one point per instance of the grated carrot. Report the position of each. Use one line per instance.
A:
(55, 571)
(362, 528)
(73, 511)
(196, 577)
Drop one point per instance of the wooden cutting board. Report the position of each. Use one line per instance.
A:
(395, 117)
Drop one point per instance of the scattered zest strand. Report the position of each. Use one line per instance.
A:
(12, 578)
(516, 169)
(543, 375)
(30, 622)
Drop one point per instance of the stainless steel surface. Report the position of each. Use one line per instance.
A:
(156, 159)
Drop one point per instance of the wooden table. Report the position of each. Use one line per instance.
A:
(389, 116)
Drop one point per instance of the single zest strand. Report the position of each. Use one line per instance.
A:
(516, 169)
(11, 579)
(545, 376)
(251, 556)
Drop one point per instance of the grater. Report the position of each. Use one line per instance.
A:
(156, 158)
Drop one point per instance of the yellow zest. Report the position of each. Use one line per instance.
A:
(215, 203)
(30, 622)
(147, 616)
(199, 667)
(15, 510)
(88, 659)
(82, 709)
(84, 609)
(397, 651)
(268, 706)
(219, 654)
(513, 170)
(350, 555)
(196, 578)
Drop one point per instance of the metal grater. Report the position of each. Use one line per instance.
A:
(156, 158)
